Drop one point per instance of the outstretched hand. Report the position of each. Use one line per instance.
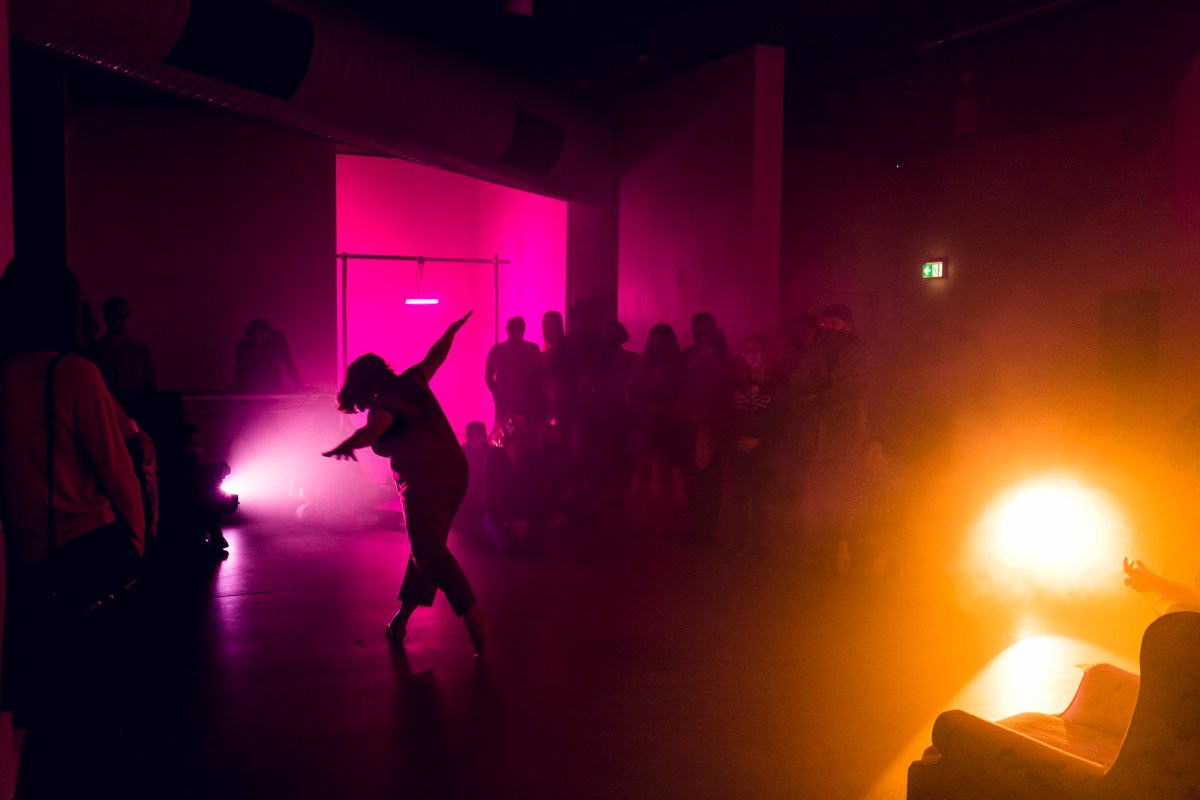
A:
(1137, 577)
(454, 326)
(342, 453)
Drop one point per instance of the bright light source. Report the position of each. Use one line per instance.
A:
(421, 301)
(1051, 532)
(231, 485)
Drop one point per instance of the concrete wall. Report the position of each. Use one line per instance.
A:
(204, 222)
(1065, 332)
(701, 159)
(592, 257)
(1037, 229)
(840, 234)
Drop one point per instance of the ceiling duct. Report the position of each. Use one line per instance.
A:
(313, 67)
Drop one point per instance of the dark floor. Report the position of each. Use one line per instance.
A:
(618, 667)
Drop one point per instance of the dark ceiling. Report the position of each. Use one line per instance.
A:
(887, 76)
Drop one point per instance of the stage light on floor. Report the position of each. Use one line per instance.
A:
(1052, 532)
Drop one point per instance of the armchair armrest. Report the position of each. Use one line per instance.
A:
(1105, 699)
(1003, 762)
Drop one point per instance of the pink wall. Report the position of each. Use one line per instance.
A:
(530, 231)
(388, 206)
(701, 158)
(203, 222)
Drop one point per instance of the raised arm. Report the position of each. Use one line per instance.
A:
(378, 421)
(1141, 579)
(441, 348)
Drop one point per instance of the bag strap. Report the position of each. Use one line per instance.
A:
(51, 520)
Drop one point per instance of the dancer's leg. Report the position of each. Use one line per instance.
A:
(432, 565)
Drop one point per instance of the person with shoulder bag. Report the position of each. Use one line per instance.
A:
(70, 501)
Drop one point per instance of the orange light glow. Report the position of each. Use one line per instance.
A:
(1050, 533)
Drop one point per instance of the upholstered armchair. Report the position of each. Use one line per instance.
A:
(1121, 737)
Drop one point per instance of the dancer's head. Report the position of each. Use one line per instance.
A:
(366, 377)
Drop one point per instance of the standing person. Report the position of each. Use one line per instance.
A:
(406, 424)
(126, 364)
(704, 324)
(756, 433)
(513, 376)
(840, 413)
(70, 505)
(708, 387)
(131, 377)
(654, 397)
(553, 332)
(575, 364)
(607, 432)
(803, 364)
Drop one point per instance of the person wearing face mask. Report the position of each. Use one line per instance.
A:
(842, 392)
(756, 429)
(841, 418)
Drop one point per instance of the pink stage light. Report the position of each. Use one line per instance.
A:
(421, 301)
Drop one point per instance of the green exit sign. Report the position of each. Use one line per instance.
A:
(933, 269)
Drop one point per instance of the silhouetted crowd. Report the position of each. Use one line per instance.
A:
(695, 443)
(100, 474)
(100, 477)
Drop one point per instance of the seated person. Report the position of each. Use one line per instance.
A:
(516, 490)
(264, 362)
(201, 502)
(340, 497)
(566, 500)
(1175, 596)
(469, 519)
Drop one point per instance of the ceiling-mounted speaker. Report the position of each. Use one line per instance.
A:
(536, 144)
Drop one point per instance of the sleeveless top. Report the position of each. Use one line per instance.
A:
(424, 453)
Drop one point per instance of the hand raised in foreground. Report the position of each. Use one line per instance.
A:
(454, 326)
(1137, 576)
(342, 452)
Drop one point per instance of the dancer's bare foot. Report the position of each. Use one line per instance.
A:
(477, 624)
